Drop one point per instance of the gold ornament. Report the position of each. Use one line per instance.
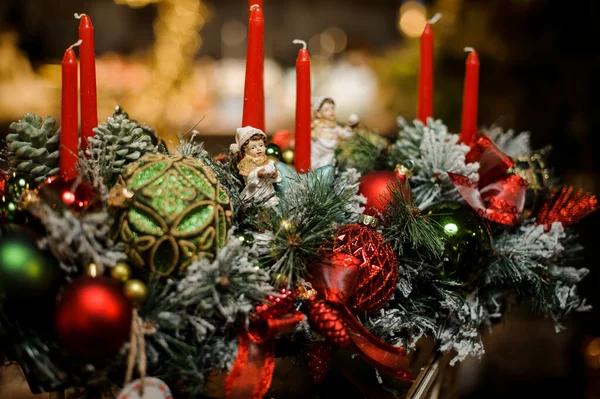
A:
(92, 270)
(288, 156)
(121, 272)
(136, 291)
(179, 212)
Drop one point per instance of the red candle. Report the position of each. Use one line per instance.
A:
(425, 96)
(69, 134)
(87, 74)
(303, 117)
(254, 88)
(471, 90)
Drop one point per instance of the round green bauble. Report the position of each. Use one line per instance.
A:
(468, 241)
(274, 152)
(29, 279)
(171, 211)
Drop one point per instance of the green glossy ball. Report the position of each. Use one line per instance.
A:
(29, 278)
(246, 238)
(274, 152)
(468, 240)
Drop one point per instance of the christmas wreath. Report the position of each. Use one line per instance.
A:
(197, 269)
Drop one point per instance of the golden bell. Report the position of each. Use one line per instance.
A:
(121, 272)
(136, 291)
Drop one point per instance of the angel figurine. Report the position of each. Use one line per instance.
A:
(326, 133)
(256, 168)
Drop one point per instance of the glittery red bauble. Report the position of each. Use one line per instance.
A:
(374, 187)
(92, 317)
(72, 194)
(378, 268)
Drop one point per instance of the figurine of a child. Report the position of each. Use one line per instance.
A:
(326, 133)
(255, 167)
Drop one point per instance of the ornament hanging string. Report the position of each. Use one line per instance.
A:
(137, 351)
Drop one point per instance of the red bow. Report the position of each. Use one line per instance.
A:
(252, 371)
(497, 196)
(335, 279)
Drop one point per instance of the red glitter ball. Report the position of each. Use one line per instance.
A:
(77, 196)
(378, 268)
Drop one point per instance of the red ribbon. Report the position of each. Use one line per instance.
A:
(335, 279)
(497, 196)
(252, 371)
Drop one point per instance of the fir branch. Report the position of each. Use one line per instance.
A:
(404, 225)
(78, 241)
(304, 223)
(226, 290)
(365, 155)
(440, 152)
(508, 142)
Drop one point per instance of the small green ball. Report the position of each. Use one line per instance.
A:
(274, 152)
(468, 240)
(288, 156)
(11, 209)
(246, 238)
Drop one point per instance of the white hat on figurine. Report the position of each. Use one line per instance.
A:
(318, 101)
(242, 135)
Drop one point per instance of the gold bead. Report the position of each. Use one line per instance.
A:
(136, 291)
(288, 156)
(121, 272)
(92, 270)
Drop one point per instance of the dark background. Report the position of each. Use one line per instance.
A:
(540, 61)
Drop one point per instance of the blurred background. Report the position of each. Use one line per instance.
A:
(171, 63)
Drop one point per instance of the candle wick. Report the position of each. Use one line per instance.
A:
(78, 16)
(302, 42)
(469, 50)
(77, 43)
(435, 18)
(254, 7)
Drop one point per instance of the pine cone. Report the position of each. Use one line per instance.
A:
(116, 144)
(318, 360)
(326, 319)
(34, 147)
(119, 113)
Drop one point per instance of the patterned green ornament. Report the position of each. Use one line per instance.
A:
(172, 210)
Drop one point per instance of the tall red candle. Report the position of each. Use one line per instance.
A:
(303, 117)
(87, 74)
(69, 134)
(425, 96)
(254, 88)
(470, 96)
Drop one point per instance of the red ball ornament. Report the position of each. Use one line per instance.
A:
(72, 194)
(92, 317)
(374, 187)
(378, 268)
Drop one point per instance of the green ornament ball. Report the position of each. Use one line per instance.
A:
(246, 238)
(274, 152)
(468, 240)
(29, 279)
(172, 210)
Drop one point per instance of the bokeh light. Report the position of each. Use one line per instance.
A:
(412, 19)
